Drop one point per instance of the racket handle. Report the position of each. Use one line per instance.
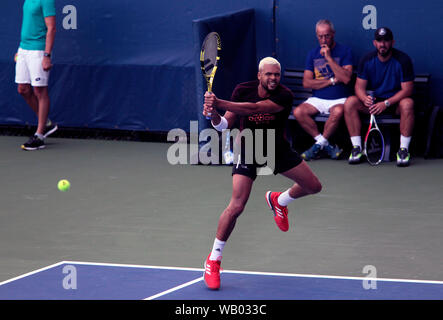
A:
(208, 117)
(371, 94)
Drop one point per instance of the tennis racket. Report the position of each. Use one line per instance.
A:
(374, 143)
(209, 58)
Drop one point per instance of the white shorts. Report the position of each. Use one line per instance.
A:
(29, 69)
(323, 105)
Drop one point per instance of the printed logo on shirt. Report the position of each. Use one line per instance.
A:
(322, 70)
(261, 118)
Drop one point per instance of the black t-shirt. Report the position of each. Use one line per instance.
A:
(248, 92)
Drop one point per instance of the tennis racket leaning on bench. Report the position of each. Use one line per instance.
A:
(209, 58)
(374, 143)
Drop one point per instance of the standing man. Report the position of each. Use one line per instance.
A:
(260, 104)
(389, 74)
(33, 65)
(328, 70)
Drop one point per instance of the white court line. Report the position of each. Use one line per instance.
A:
(254, 272)
(130, 266)
(184, 285)
(331, 277)
(32, 272)
(224, 271)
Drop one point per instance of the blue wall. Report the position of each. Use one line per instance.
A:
(130, 64)
(136, 32)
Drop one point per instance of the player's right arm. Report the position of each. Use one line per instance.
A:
(216, 117)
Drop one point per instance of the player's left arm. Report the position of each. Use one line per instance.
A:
(50, 37)
(243, 108)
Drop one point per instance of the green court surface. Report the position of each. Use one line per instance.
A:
(128, 205)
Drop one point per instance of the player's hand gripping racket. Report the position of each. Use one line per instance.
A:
(374, 143)
(209, 58)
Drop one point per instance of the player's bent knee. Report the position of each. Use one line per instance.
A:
(316, 187)
(235, 209)
(313, 187)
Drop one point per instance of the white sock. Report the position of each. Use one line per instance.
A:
(217, 249)
(404, 142)
(321, 140)
(356, 141)
(40, 136)
(284, 199)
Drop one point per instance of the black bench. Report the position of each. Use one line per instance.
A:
(293, 79)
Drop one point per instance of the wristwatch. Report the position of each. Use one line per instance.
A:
(47, 55)
(387, 104)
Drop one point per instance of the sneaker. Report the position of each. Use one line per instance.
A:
(355, 156)
(34, 143)
(333, 152)
(312, 153)
(280, 213)
(50, 129)
(212, 273)
(403, 157)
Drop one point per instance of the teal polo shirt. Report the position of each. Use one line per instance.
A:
(33, 35)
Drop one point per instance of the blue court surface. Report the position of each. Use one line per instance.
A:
(69, 280)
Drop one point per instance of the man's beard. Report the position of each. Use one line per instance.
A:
(265, 86)
(386, 53)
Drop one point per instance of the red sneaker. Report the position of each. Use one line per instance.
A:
(212, 273)
(280, 213)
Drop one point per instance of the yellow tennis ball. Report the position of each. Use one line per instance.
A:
(15, 57)
(64, 185)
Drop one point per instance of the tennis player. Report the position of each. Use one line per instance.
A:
(260, 104)
(33, 65)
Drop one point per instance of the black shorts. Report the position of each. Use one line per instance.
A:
(286, 158)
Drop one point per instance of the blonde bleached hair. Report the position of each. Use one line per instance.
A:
(268, 60)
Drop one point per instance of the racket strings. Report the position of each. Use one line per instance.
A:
(209, 67)
(209, 61)
(210, 51)
(374, 147)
